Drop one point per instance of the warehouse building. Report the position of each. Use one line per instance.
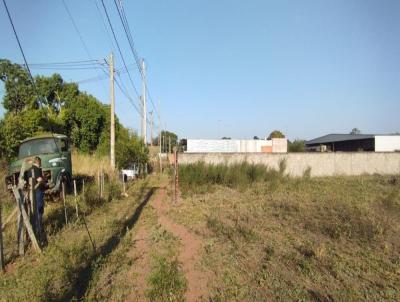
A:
(275, 145)
(355, 142)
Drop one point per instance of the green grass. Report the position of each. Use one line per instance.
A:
(200, 177)
(166, 281)
(65, 268)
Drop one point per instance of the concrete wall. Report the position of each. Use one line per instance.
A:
(321, 164)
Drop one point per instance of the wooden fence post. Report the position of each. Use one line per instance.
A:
(23, 217)
(83, 187)
(63, 197)
(76, 201)
(1, 241)
(176, 174)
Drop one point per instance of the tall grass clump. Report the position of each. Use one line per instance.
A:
(90, 165)
(200, 176)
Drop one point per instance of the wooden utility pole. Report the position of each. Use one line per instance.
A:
(1, 243)
(144, 113)
(151, 127)
(112, 101)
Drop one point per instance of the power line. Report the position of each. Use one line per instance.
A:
(30, 74)
(125, 24)
(79, 34)
(119, 49)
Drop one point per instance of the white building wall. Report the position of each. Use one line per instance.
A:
(387, 143)
(234, 146)
(279, 145)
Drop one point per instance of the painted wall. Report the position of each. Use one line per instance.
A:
(236, 145)
(387, 143)
(321, 164)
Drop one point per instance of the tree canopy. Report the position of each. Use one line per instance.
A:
(276, 134)
(58, 106)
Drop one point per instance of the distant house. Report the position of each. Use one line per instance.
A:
(275, 145)
(355, 142)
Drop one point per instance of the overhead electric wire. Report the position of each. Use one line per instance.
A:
(29, 72)
(128, 34)
(79, 34)
(125, 24)
(119, 49)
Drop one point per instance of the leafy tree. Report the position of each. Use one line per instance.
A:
(166, 138)
(55, 91)
(85, 118)
(276, 134)
(16, 127)
(355, 131)
(19, 91)
(256, 137)
(298, 145)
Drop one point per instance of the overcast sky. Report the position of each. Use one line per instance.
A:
(229, 67)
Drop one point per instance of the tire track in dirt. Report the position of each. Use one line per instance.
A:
(189, 255)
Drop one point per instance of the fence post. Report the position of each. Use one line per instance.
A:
(65, 207)
(176, 174)
(1, 240)
(123, 183)
(20, 230)
(76, 201)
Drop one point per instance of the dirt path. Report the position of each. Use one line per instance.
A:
(190, 253)
(139, 253)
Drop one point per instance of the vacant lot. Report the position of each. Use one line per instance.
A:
(240, 233)
(269, 237)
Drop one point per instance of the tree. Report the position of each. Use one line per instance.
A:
(355, 131)
(55, 91)
(85, 119)
(276, 134)
(166, 138)
(255, 137)
(298, 145)
(19, 90)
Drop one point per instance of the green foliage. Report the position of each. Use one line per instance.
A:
(55, 91)
(298, 145)
(200, 176)
(19, 91)
(85, 118)
(167, 138)
(63, 109)
(18, 126)
(276, 134)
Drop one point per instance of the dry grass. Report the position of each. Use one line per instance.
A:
(305, 239)
(90, 165)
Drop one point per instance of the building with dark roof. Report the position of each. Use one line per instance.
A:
(355, 142)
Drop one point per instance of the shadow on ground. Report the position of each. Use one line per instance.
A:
(84, 274)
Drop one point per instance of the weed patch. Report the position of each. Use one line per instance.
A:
(166, 281)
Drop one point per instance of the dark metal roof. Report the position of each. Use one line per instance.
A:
(331, 138)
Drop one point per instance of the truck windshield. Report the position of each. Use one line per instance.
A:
(36, 147)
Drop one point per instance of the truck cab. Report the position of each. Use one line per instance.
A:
(55, 153)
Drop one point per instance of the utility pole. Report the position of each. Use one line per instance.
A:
(144, 115)
(151, 127)
(112, 101)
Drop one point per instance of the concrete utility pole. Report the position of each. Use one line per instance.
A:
(144, 115)
(112, 101)
(151, 127)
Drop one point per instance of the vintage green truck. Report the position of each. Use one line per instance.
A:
(55, 153)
